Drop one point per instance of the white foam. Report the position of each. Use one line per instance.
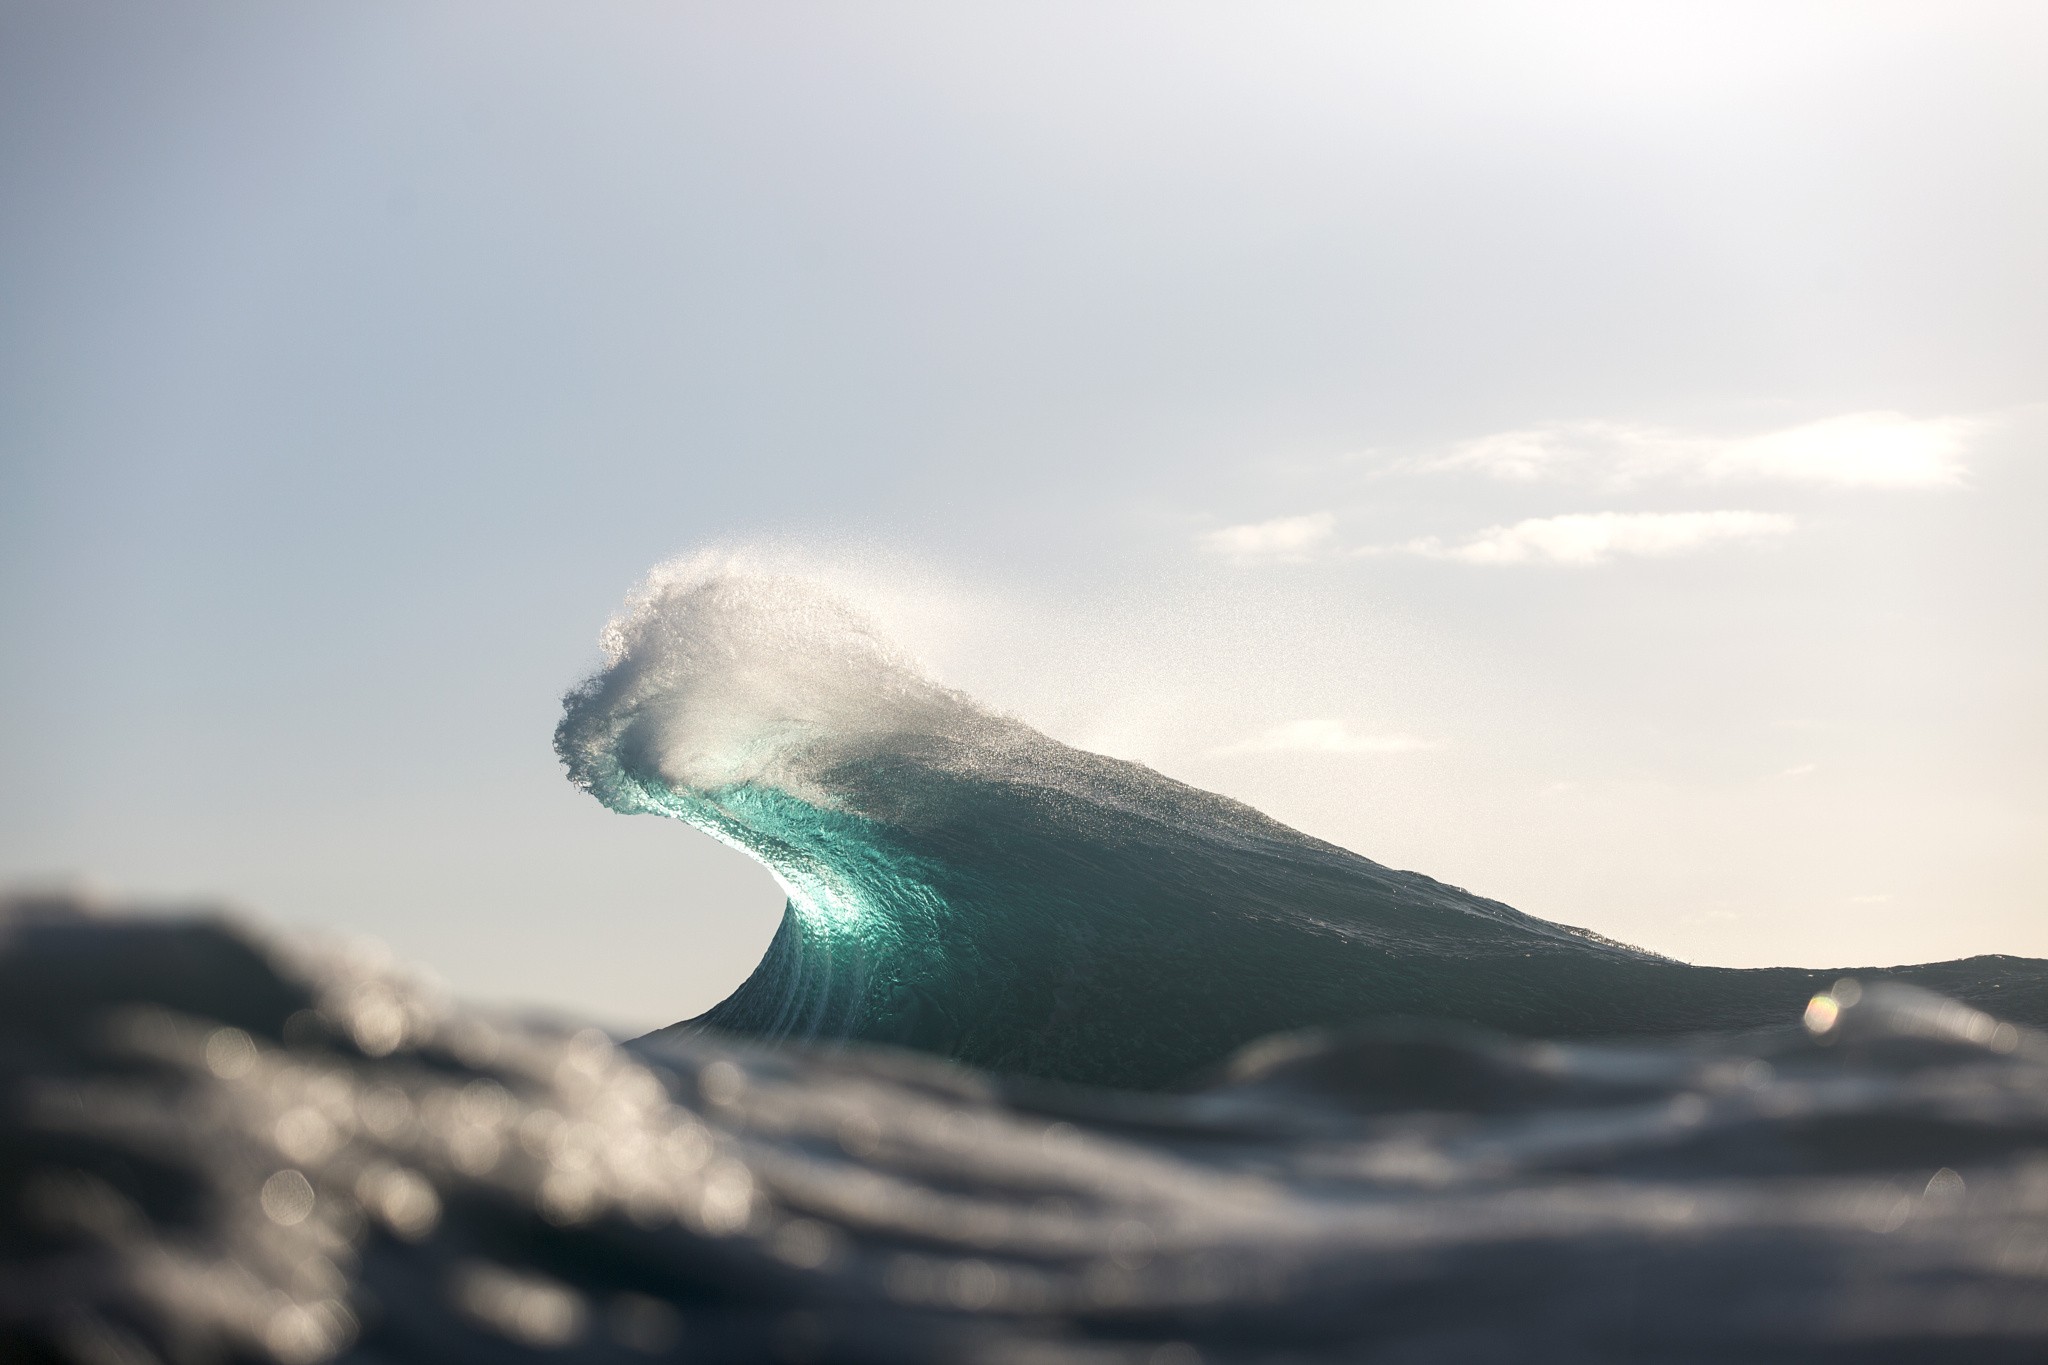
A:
(725, 668)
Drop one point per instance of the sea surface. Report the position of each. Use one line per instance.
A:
(217, 1146)
(1053, 1059)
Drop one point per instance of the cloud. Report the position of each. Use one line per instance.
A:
(1596, 537)
(1856, 450)
(1283, 538)
(1320, 737)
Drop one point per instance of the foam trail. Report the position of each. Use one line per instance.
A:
(962, 884)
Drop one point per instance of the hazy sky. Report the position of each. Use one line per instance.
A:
(1593, 454)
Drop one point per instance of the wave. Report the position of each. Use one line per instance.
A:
(961, 884)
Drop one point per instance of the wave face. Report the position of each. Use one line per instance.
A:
(961, 884)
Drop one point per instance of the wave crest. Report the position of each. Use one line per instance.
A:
(721, 673)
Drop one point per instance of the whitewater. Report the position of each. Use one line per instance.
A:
(1052, 1061)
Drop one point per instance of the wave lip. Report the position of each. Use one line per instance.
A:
(959, 883)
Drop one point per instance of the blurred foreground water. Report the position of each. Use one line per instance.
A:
(220, 1146)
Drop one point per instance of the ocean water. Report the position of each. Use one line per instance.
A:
(216, 1146)
(1052, 1060)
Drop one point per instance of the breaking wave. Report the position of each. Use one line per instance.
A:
(961, 884)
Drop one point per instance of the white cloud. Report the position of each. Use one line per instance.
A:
(1860, 450)
(1856, 450)
(1596, 537)
(1283, 538)
(1321, 737)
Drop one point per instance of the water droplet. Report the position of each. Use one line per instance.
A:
(230, 1053)
(288, 1197)
(522, 1307)
(402, 1199)
(304, 1135)
(721, 1083)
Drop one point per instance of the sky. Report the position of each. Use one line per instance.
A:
(1594, 454)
